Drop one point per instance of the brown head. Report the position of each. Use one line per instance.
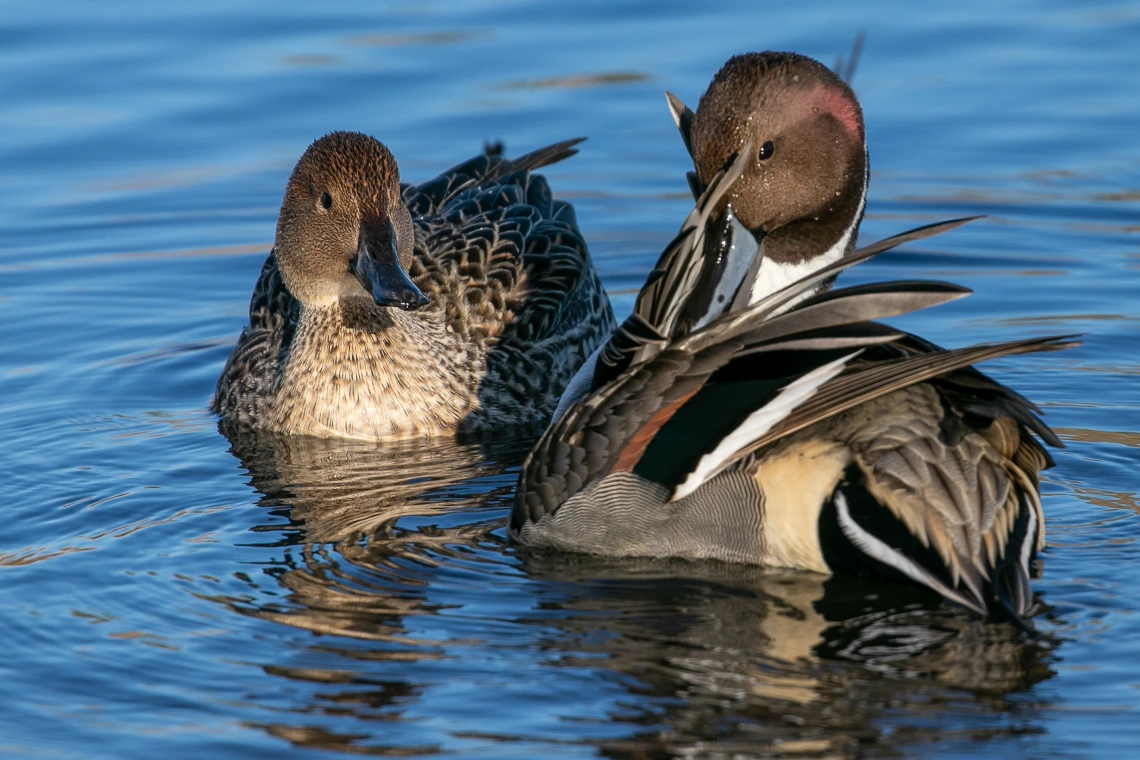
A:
(344, 231)
(804, 186)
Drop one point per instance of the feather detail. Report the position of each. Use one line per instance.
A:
(516, 307)
(683, 118)
(757, 424)
(669, 286)
(882, 552)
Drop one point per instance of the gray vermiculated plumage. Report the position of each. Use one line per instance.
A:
(961, 498)
(903, 458)
(514, 308)
(722, 522)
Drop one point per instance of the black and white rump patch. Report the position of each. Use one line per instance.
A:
(861, 537)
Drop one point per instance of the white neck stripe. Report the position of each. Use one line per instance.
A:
(773, 277)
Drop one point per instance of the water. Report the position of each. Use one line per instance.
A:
(163, 595)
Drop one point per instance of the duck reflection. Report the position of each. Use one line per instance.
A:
(394, 558)
(742, 662)
(334, 489)
(350, 568)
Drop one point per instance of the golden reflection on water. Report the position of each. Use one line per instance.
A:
(718, 660)
(1086, 435)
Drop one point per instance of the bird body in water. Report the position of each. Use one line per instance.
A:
(747, 412)
(390, 311)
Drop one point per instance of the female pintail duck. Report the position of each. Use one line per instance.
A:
(456, 306)
(746, 412)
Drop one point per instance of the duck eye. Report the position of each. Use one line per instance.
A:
(765, 151)
(326, 200)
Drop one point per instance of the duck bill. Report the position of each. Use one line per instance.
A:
(732, 256)
(376, 266)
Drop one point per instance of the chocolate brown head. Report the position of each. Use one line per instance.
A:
(804, 187)
(344, 231)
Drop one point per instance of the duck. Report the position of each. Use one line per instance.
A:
(389, 311)
(750, 412)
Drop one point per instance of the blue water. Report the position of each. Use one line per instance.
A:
(164, 596)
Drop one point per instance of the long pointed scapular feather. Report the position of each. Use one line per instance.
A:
(779, 298)
(682, 117)
(663, 297)
(758, 423)
(736, 322)
(880, 378)
(862, 303)
(537, 159)
(838, 307)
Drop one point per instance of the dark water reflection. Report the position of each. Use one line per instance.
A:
(747, 664)
(335, 490)
(703, 658)
(164, 596)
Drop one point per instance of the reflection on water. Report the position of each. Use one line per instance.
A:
(739, 662)
(714, 660)
(163, 597)
(577, 81)
(356, 571)
(337, 490)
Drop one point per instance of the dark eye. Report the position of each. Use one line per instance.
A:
(326, 199)
(765, 151)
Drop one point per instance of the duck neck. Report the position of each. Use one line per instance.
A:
(803, 246)
(357, 330)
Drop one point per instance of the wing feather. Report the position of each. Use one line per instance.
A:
(952, 491)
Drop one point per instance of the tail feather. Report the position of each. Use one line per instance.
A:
(861, 537)
(845, 67)
(536, 159)
(873, 380)
(431, 196)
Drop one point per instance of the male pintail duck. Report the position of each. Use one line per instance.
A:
(386, 311)
(746, 412)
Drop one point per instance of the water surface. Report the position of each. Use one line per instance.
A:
(166, 593)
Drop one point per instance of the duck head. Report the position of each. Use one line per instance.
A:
(344, 231)
(801, 195)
